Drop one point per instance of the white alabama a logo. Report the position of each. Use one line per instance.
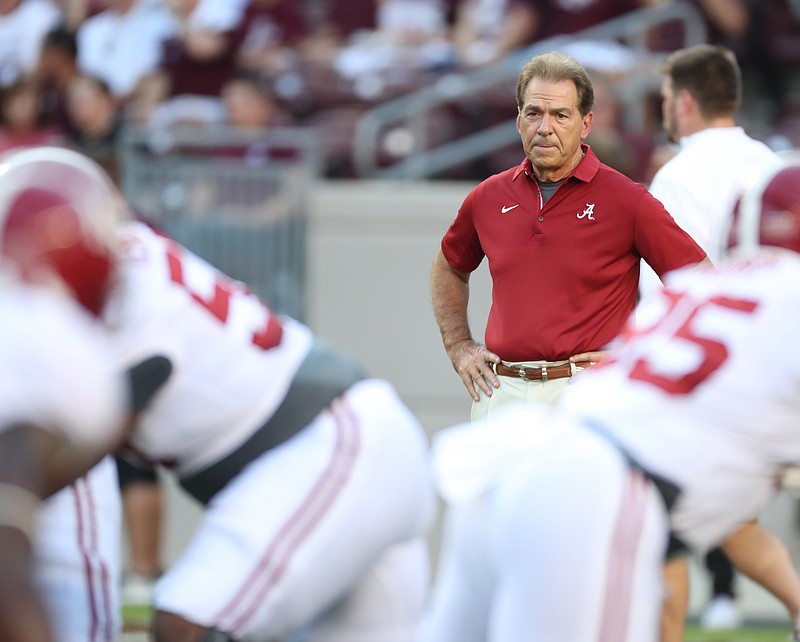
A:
(588, 212)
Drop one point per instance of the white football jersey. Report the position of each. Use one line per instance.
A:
(232, 358)
(54, 369)
(706, 390)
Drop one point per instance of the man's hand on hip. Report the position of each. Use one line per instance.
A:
(473, 362)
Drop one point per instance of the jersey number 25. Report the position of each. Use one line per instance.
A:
(679, 324)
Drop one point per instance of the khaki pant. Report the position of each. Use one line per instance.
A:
(517, 389)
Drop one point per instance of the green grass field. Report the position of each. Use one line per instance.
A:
(137, 619)
(760, 634)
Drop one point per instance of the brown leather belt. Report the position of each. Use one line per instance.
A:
(537, 373)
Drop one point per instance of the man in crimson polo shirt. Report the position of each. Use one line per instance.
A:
(563, 234)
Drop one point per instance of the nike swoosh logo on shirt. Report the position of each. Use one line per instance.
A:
(505, 209)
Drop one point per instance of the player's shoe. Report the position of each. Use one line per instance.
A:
(137, 590)
(721, 614)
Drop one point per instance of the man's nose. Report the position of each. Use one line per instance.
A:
(544, 125)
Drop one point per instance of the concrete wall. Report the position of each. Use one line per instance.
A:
(370, 251)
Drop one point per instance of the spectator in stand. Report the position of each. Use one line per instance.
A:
(23, 122)
(250, 104)
(615, 143)
(340, 21)
(484, 31)
(487, 30)
(95, 120)
(122, 43)
(194, 65)
(270, 33)
(23, 26)
(559, 17)
(74, 12)
(57, 68)
(411, 35)
(776, 60)
(727, 22)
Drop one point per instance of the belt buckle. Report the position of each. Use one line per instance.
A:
(523, 373)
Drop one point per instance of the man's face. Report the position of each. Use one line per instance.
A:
(669, 112)
(552, 128)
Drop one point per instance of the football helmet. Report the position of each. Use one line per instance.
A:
(58, 212)
(767, 212)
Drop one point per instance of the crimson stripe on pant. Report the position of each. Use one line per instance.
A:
(96, 572)
(620, 575)
(298, 527)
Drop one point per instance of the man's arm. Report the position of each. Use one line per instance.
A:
(24, 451)
(450, 298)
(69, 461)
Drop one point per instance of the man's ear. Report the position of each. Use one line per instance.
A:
(587, 125)
(686, 101)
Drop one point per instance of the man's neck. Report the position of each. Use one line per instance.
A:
(547, 175)
(692, 127)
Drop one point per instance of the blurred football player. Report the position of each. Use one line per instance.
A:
(62, 401)
(313, 475)
(676, 444)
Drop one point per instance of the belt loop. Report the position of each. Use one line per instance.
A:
(544, 374)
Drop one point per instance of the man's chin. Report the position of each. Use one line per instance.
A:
(545, 161)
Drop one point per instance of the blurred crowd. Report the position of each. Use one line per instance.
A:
(75, 72)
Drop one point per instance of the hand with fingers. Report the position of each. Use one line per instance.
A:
(589, 359)
(474, 363)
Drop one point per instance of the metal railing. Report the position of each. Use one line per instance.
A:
(238, 199)
(411, 111)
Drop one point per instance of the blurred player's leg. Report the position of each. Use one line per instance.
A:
(292, 551)
(721, 613)
(460, 601)
(676, 602)
(398, 579)
(142, 506)
(78, 556)
(577, 560)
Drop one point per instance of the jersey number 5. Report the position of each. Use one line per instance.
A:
(218, 304)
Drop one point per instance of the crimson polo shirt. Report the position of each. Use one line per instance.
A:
(564, 273)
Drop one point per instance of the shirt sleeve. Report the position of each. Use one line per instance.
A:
(461, 244)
